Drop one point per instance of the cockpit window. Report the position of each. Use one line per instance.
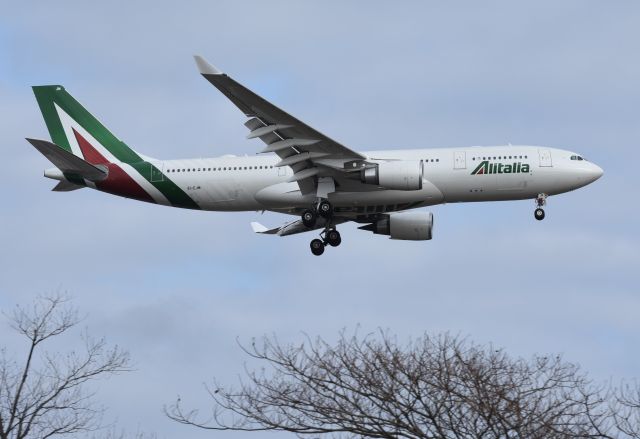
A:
(576, 157)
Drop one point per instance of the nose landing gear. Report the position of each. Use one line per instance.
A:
(541, 201)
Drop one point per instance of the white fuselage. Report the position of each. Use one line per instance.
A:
(232, 183)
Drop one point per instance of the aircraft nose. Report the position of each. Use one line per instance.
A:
(595, 172)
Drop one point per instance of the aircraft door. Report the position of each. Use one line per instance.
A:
(156, 172)
(459, 160)
(545, 158)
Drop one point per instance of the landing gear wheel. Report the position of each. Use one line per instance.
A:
(309, 218)
(325, 209)
(539, 214)
(317, 247)
(333, 238)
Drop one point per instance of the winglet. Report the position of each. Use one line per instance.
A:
(258, 228)
(204, 67)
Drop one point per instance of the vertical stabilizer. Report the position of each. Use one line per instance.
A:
(73, 128)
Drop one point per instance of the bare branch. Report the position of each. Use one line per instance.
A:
(45, 395)
(434, 387)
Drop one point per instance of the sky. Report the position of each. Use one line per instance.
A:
(179, 288)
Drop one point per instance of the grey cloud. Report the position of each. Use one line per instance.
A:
(177, 287)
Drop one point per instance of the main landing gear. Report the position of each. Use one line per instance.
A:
(541, 201)
(329, 237)
(323, 209)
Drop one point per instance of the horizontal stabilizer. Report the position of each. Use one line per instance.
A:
(67, 162)
(66, 186)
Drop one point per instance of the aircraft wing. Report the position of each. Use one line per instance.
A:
(293, 227)
(308, 152)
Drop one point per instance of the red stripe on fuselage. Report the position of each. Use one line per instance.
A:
(118, 182)
(89, 152)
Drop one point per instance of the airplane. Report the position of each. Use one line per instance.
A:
(302, 172)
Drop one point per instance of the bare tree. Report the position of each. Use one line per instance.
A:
(626, 409)
(113, 433)
(45, 394)
(434, 387)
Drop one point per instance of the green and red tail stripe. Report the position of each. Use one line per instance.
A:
(76, 130)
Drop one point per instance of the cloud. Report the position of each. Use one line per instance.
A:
(177, 287)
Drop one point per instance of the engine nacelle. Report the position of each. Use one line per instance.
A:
(410, 226)
(403, 175)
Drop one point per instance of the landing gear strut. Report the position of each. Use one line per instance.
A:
(329, 237)
(541, 201)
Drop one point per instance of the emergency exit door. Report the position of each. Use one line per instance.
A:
(459, 160)
(545, 158)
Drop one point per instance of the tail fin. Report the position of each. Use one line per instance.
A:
(74, 129)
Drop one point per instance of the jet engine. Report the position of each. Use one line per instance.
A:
(403, 175)
(410, 226)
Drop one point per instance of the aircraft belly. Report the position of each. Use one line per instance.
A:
(288, 195)
(460, 186)
(228, 195)
(427, 196)
(283, 195)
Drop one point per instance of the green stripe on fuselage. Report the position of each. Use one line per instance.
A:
(176, 196)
